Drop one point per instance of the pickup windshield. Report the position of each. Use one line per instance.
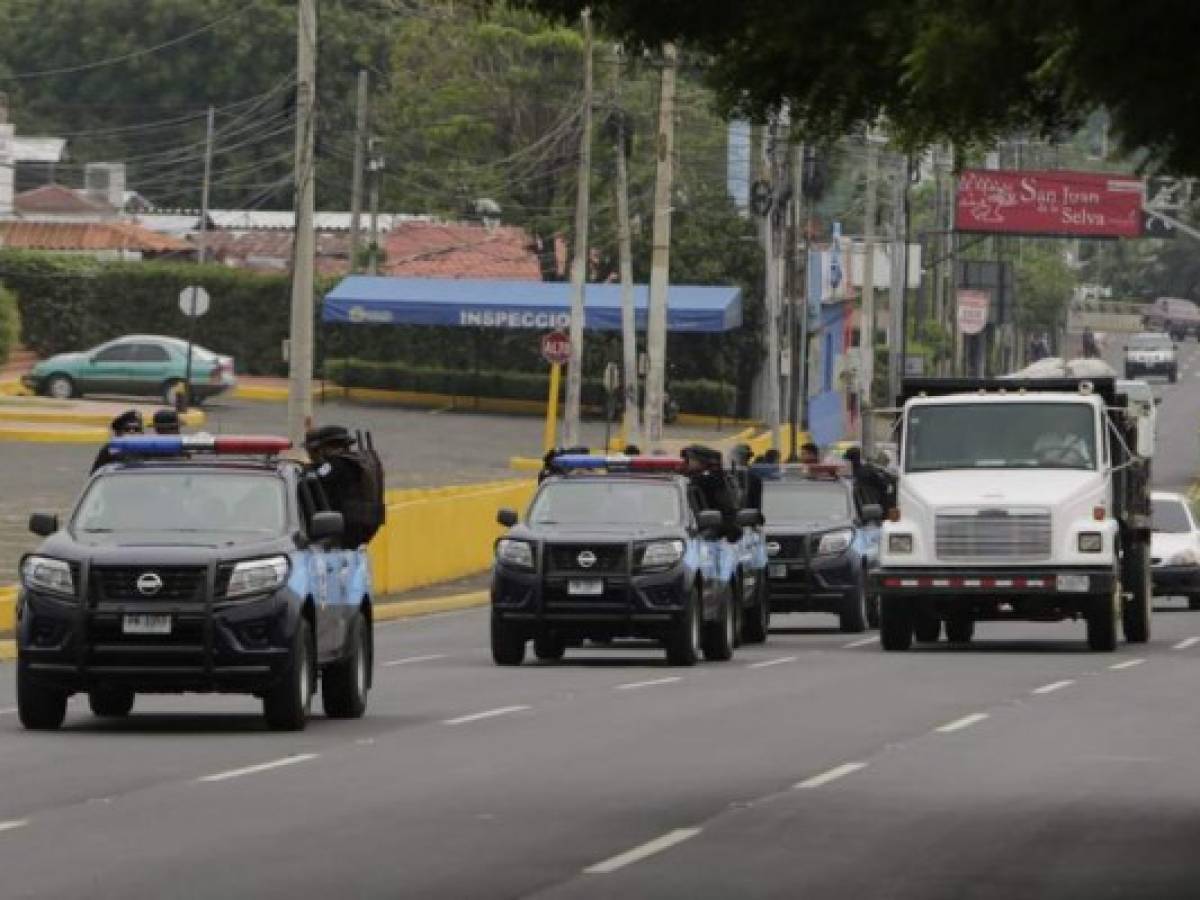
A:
(805, 503)
(234, 507)
(1151, 341)
(606, 503)
(1001, 436)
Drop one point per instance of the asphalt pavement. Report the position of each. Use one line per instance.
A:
(815, 766)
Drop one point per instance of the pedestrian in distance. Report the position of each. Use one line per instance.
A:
(127, 423)
(1090, 348)
(810, 453)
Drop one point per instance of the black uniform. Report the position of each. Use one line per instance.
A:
(129, 422)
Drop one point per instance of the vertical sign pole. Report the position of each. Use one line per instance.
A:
(552, 408)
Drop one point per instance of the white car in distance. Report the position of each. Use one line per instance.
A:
(1175, 548)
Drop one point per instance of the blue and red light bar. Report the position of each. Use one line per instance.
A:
(617, 463)
(183, 444)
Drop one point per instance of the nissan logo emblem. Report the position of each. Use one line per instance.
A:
(149, 584)
(586, 559)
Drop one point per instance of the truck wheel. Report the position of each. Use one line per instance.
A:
(508, 644)
(344, 684)
(286, 705)
(1102, 623)
(1136, 611)
(895, 623)
(549, 647)
(111, 702)
(757, 621)
(41, 708)
(960, 630)
(683, 640)
(717, 638)
(927, 629)
(853, 617)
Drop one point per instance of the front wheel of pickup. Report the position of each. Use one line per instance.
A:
(344, 685)
(1102, 622)
(40, 707)
(683, 640)
(287, 704)
(720, 635)
(852, 619)
(756, 623)
(111, 702)
(508, 643)
(895, 624)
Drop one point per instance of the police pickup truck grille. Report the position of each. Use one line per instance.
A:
(790, 547)
(987, 535)
(575, 558)
(134, 584)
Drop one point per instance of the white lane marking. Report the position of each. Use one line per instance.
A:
(413, 659)
(637, 854)
(833, 774)
(486, 714)
(862, 643)
(771, 662)
(1053, 686)
(1182, 645)
(960, 724)
(8, 711)
(13, 824)
(1128, 664)
(634, 685)
(261, 767)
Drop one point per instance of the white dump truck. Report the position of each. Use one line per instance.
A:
(1020, 498)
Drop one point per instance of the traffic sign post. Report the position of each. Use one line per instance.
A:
(556, 350)
(972, 311)
(193, 303)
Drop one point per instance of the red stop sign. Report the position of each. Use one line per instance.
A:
(556, 348)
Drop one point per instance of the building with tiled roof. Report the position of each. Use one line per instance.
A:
(57, 201)
(103, 240)
(459, 250)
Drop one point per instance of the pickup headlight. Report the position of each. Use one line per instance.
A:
(41, 573)
(257, 576)
(1091, 542)
(900, 543)
(1185, 558)
(661, 555)
(515, 553)
(773, 548)
(835, 542)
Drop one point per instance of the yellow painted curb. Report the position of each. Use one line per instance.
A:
(408, 609)
(8, 650)
(50, 415)
(8, 608)
(715, 421)
(11, 432)
(524, 464)
(261, 392)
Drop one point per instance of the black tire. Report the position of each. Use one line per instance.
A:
(549, 647)
(719, 636)
(873, 611)
(40, 707)
(1102, 624)
(508, 643)
(111, 702)
(853, 616)
(927, 629)
(287, 704)
(1193, 602)
(346, 683)
(1136, 611)
(169, 389)
(960, 630)
(895, 624)
(756, 623)
(60, 387)
(683, 640)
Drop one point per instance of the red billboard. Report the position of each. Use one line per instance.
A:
(1060, 203)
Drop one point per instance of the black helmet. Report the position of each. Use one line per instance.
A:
(327, 436)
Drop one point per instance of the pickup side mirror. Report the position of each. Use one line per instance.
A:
(43, 524)
(709, 521)
(750, 518)
(872, 513)
(507, 517)
(327, 526)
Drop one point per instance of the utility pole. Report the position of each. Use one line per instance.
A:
(798, 320)
(625, 251)
(771, 288)
(866, 343)
(899, 280)
(660, 260)
(579, 263)
(360, 139)
(300, 346)
(375, 164)
(202, 252)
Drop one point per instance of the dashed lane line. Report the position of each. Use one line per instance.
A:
(635, 685)
(486, 714)
(1128, 664)
(766, 663)
(13, 824)
(825, 778)
(413, 659)
(861, 643)
(648, 849)
(960, 724)
(8, 711)
(261, 767)
(1053, 686)
(1182, 645)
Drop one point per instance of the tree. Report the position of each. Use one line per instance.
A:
(941, 70)
(1044, 286)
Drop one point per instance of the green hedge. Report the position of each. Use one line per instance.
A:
(709, 397)
(10, 323)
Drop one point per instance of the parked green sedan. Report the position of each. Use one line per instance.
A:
(143, 365)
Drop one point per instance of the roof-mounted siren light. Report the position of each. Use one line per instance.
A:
(180, 445)
(617, 463)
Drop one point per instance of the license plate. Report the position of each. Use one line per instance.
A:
(146, 625)
(585, 587)
(777, 570)
(1073, 584)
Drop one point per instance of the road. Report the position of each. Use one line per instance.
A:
(815, 766)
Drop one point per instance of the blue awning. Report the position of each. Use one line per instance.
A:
(500, 304)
